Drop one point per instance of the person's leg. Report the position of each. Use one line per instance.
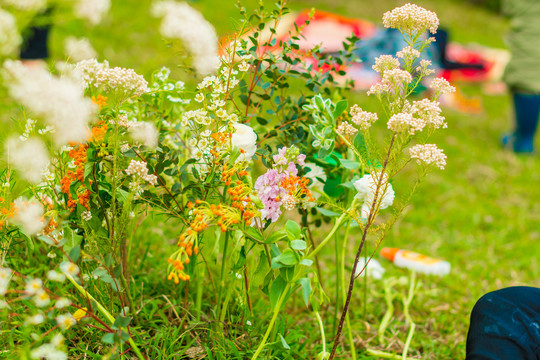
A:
(505, 325)
(527, 111)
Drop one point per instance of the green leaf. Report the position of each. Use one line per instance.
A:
(287, 258)
(108, 338)
(253, 233)
(293, 230)
(276, 290)
(340, 108)
(121, 322)
(276, 236)
(306, 262)
(327, 212)
(298, 245)
(284, 343)
(74, 253)
(350, 164)
(72, 239)
(306, 289)
(261, 271)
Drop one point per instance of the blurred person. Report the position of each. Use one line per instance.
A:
(522, 74)
(505, 325)
(35, 49)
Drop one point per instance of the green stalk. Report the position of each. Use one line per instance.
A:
(321, 327)
(277, 308)
(105, 313)
(386, 355)
(406, 306)
(328, 237)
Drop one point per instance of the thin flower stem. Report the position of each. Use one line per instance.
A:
(371, 218)
(342, 281)
(328, 237)
(321, 327)
(105, 313)
(277, 308)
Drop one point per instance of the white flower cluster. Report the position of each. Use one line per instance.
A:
(92, 11)
(25, 5)
(125, 82)
(408, 53)
(30, 158)
(384, 63)
(441, 86)
(393, 81)
(245, 139)
(5, 277)
(411, 19)
(346, 129)
(428, 153)
(429, 112)
(362, 119)
(59, 101)
(181, 21)
(405, 122)
(29, 216)
(79, 49)
(139, 168)
(367, 189)
(145, 133)
(10, 39)
(28, 128)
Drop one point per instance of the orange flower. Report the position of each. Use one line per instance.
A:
(99, 100)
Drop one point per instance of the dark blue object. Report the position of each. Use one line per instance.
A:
(505, 325)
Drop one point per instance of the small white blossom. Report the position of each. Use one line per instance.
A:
(29, 216)
(41, 298)
(428, 153)
(69, 268)
(362, 119)
(441, 86)
(65, 321)
(405, 122)
(346, 129)
(5, 277)
(55, 276)
(33, 286)
(411, 19)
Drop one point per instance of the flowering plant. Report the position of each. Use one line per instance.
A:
(108, 149)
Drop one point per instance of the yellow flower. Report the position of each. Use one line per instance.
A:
(79, 314)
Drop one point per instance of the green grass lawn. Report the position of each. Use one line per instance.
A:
(481, 214)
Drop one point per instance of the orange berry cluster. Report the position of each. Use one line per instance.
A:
(78, 153)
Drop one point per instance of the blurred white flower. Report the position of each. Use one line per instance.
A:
(367, 188)
(92, 11)
(29, 216)
(374, 268)
(10, 39)
(145, 133)
(58, 101)
(30, 158)
(181, 21)
(245, 139)
(79, 49)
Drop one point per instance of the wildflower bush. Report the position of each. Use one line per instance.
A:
(255, 177)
